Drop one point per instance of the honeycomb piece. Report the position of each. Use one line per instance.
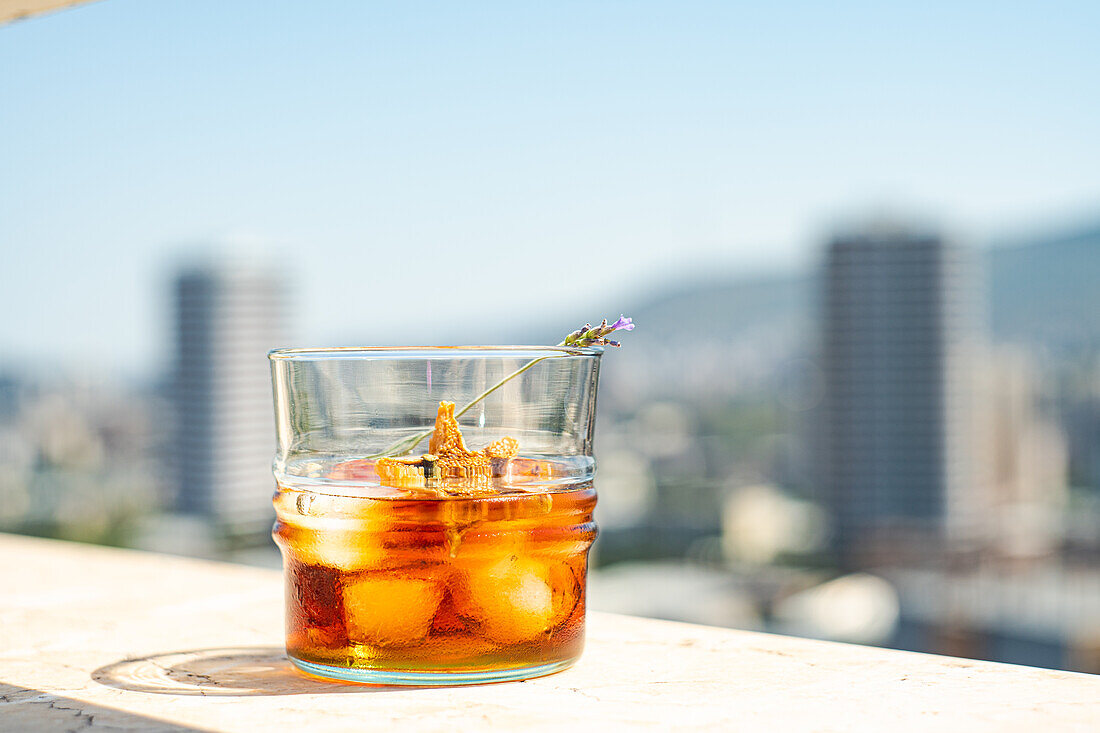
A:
(462, 470)
(404, 472)
(504, 448)
(449, 468)
(467, 474)
(447, 438)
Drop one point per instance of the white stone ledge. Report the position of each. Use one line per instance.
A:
(98, 638)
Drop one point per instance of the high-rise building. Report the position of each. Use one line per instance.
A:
(1022, 455)
(227, 319)
(898, 322)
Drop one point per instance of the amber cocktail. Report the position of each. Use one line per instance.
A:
(458, 565)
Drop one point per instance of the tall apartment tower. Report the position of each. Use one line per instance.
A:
(899, 321)
(227, 319)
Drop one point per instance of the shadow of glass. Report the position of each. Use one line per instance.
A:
(25, 709)
(227, 672)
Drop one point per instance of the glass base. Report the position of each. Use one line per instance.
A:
(398, 677)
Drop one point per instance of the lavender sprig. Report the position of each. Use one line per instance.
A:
(589, 336)
(582, 337)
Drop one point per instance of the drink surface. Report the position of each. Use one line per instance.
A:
(380, 578)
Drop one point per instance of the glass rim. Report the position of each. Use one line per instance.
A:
(389, 352)
(345, 491)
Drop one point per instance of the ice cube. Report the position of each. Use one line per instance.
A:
(566, 589)
(315, 594)
(510, 598)
(447, 619)
(390, 609)
(348, 551)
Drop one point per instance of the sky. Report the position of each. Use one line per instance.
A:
(414, 168)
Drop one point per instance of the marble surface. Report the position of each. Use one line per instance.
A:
(102, 639)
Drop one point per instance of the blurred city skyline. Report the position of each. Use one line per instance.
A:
(562, 162)
(827, 422)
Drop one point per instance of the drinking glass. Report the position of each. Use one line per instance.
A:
(435, 579)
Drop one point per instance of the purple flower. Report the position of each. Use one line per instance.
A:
(623, 324)
(589, 336)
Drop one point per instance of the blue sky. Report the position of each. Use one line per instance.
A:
(534, 158)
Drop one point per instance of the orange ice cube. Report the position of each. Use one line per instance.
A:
(348, 551)
(447, 619)
(511, 598)
(566, 591)
(390, 609)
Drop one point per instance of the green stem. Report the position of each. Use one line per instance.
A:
(406, 445)
(516, 373)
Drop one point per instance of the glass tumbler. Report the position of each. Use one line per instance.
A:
(444, 576)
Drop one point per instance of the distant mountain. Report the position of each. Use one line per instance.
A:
(735, 307)
(709, 338)
(1047, 292)
(703, 310)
